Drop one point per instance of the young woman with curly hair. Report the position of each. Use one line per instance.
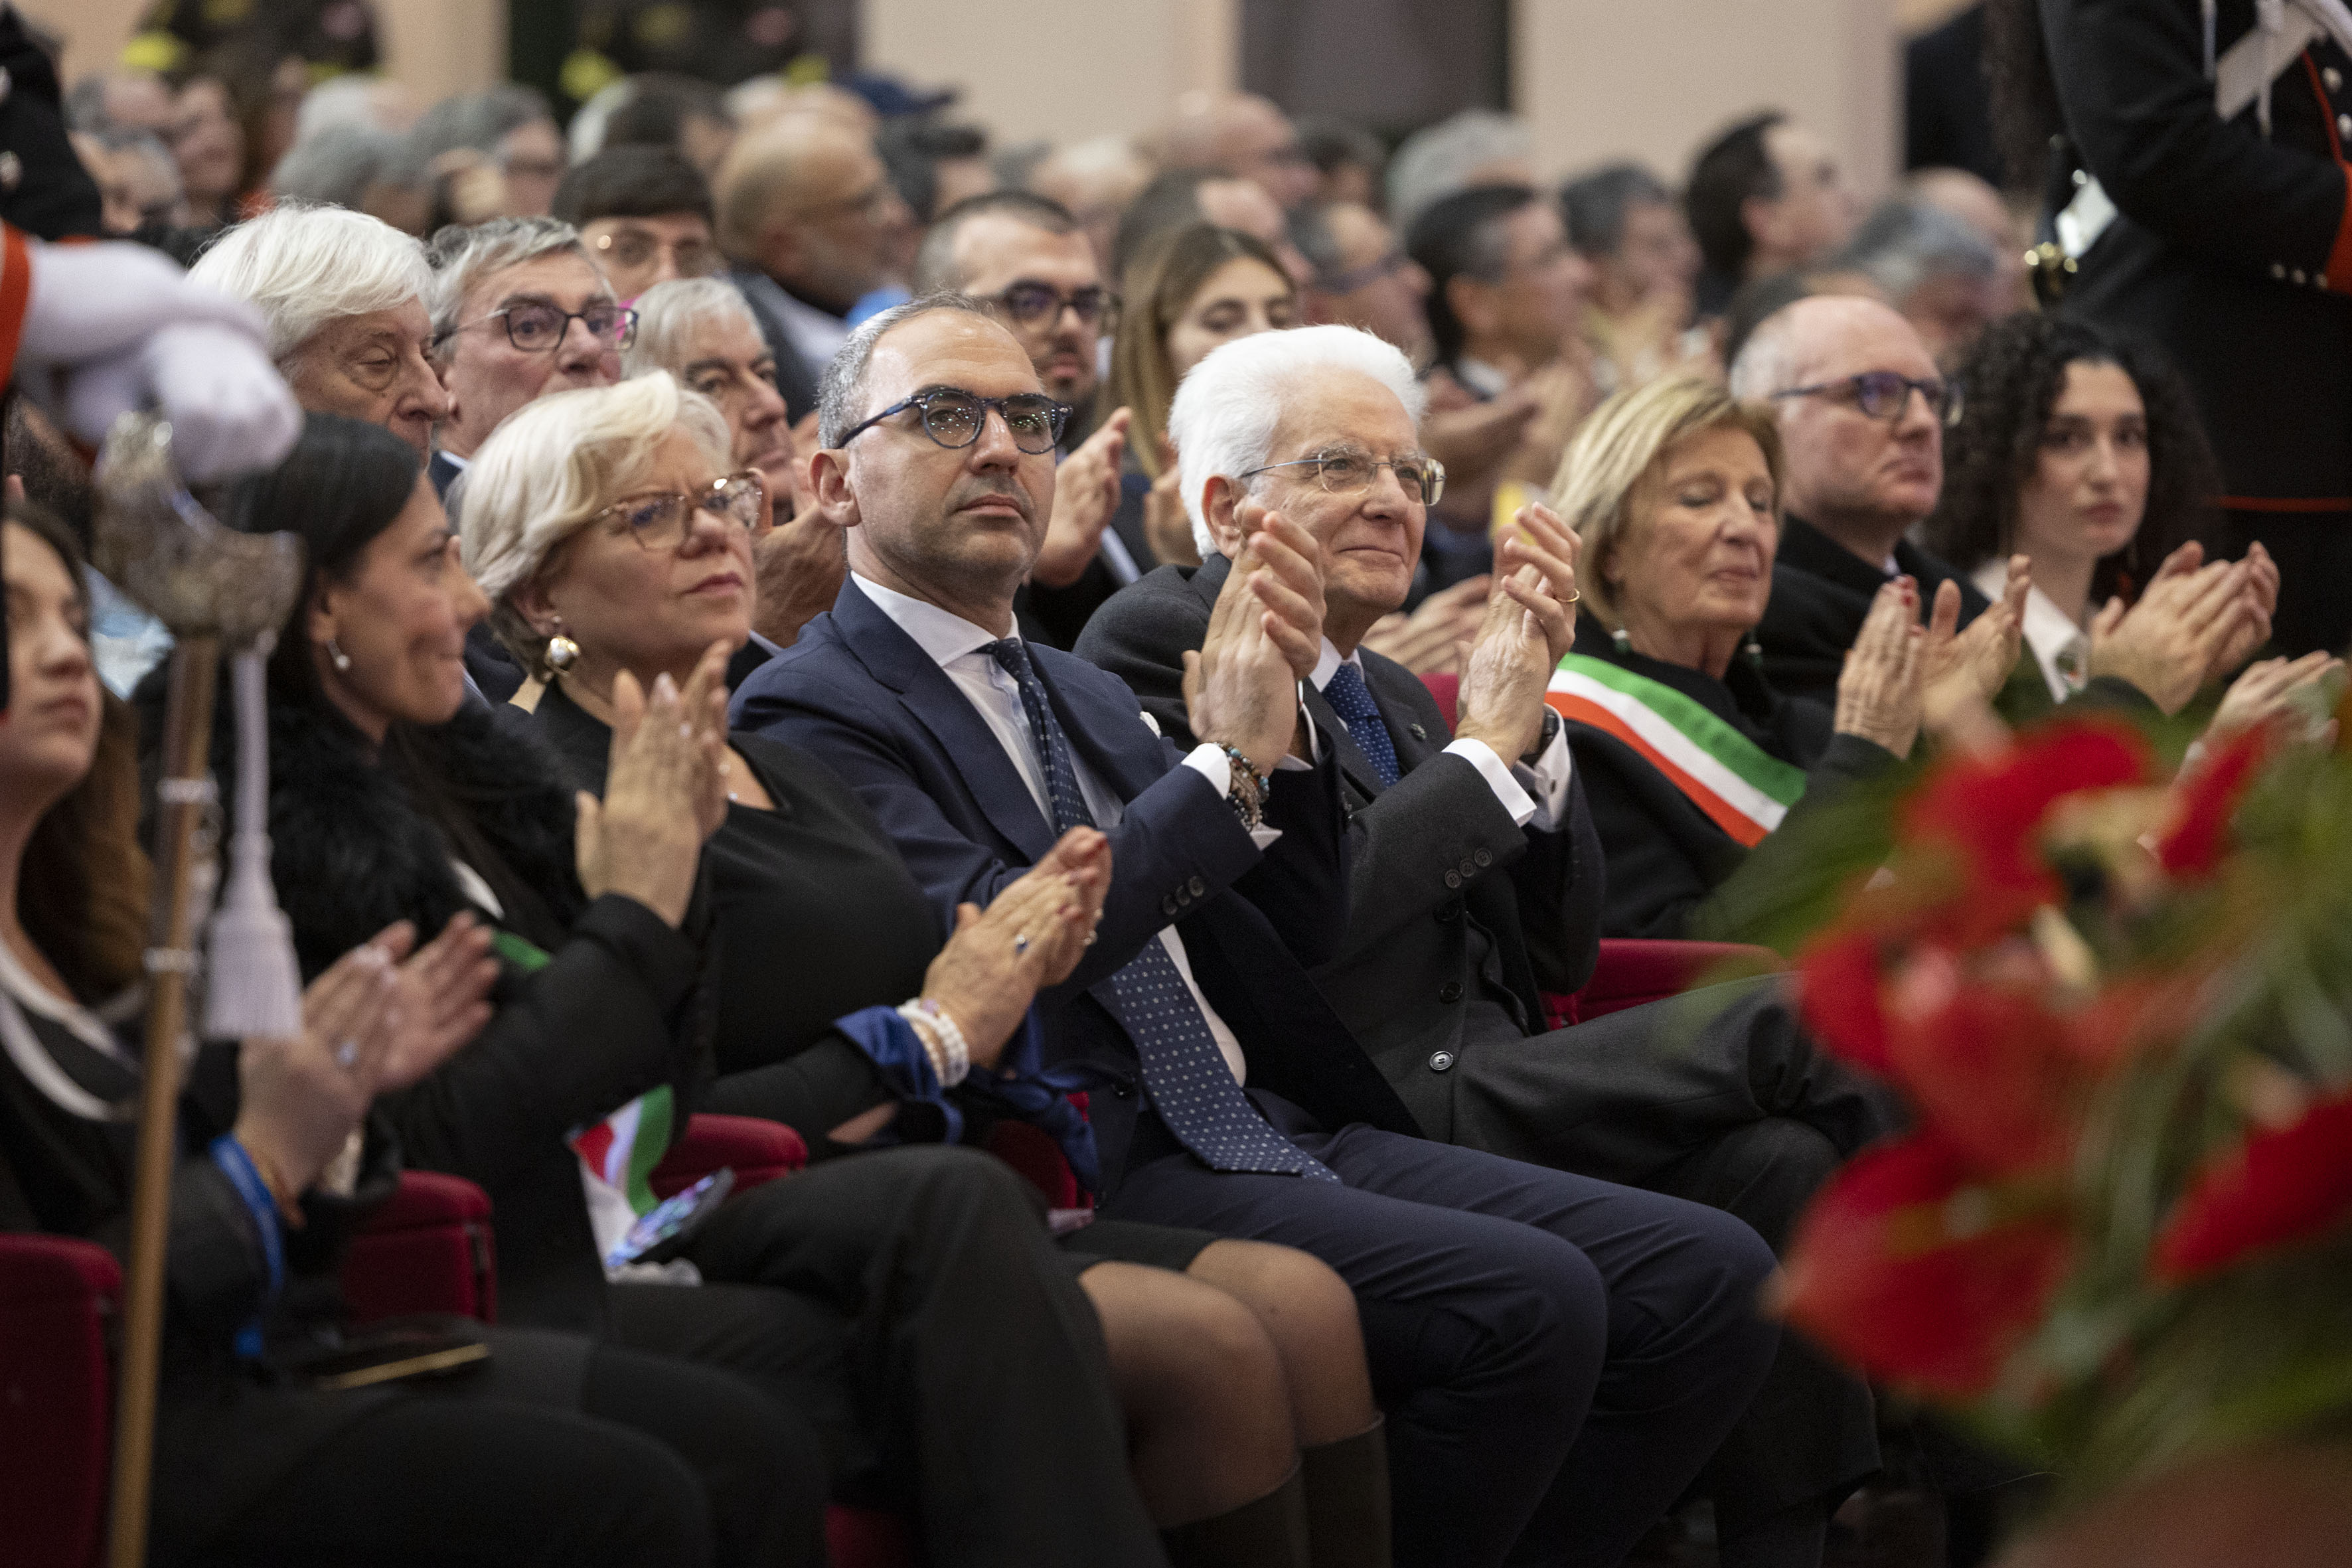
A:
(2081, 452)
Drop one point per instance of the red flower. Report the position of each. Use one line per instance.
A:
(1838, 991)
(2194, 843)
(1906, 1268)
(1988, 809)
(2281, 1187)
(1990, 1068)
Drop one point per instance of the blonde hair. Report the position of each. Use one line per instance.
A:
(1621, 448)
(554, 465)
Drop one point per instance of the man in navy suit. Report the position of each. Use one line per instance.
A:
(1557, 1355)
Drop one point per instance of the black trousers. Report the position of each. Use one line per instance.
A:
(558, 1452)
(1720, 1098)
(1557, 1356)
(911, 1303)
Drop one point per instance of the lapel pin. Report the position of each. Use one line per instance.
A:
(1418, 733)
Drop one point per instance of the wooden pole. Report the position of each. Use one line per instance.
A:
(170, 960)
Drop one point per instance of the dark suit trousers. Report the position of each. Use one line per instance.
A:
(1557, 1356)
(1720, 1098)
(912, 1304)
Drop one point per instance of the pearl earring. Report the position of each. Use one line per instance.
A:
(1624, 643)
(562, 651)
(337, 657)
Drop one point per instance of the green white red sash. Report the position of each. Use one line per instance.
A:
(1743, 789)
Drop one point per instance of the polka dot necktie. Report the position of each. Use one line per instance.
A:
(1183, 1071)
(1352, 699)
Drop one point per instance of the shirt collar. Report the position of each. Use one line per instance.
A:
(454, 461)
(1328, 665)
(2060, 646)
(943, 633)
(1480, 377)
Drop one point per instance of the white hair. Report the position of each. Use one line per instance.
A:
(305, 266)
(553, 466)
(461, 257)
(1434, 164)
(667, 312)
(1227, 406)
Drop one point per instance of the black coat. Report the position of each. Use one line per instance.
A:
(1456, 916)
(620, 1007)
(2233, 252)
(1667, 858)
(1820, 595)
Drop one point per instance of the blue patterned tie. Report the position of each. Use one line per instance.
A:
(1352, 699)
(1183, 1071)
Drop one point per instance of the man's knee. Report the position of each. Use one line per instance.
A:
(1765, 1173)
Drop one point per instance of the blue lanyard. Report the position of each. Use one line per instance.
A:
(245, 1176)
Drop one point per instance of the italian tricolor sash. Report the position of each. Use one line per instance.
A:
(1743, 789)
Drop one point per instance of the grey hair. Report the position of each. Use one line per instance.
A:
(1905, 243)
(1438, 162)
(334, 165)
(841, 397)
(552, 468)
(338, 102)
(462, 256)
(1766, 362)
(478, 120)
(307, 265)
(667, 312)
(1227, 406)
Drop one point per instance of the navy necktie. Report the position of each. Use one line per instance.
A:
(1352, 699)
(1183, 1071)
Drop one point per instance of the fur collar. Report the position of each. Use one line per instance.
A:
(352, 851)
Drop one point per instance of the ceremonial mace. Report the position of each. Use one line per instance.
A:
(213, 588)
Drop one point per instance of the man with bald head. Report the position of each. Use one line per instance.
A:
(1243, 135)
(1861, 409)
(807, 213)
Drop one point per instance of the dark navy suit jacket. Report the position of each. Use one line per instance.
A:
(864, 696)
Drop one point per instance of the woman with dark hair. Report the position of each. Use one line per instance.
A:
(2084, 454)
(909, 1303)
(553, 1451)
(1197, 288)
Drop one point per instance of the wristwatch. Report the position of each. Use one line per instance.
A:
(1543, 738)
(1246, 793)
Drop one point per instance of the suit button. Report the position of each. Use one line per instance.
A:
(2334, 78)
(2278, 270)
(1199, 888)
(1440, 1060)
(1449, 912)
(1168, 905)
(2344, 125)
(1450, 992)
(1469, 867)
(1483, 859)
(2297, 275)
(1453, 878)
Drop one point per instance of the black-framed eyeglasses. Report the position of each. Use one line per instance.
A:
(660, 520)
(1030, 303)
(1371, 272)
(1346, 471)
(1883, 394)
(538, 328)
(954, 417)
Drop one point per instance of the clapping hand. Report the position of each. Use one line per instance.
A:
(1265, 634)
(441, 1000)
(1880, 690)
(1530, 627)
(2267, 693)
(1030, 936)
(1966, 670)
(666, 791)
(1086, 494)
(1167, 526)
(2176, 637)
(302, 1097)
(1430, 637)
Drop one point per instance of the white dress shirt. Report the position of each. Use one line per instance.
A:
(956, 645)
(1537, 795)
(2061, 647)
(817, 335)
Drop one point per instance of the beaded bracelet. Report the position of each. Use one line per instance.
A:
(942, 1040)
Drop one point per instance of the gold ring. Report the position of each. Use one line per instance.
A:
(1573, 596)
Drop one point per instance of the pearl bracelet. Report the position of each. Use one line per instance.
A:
(942, 1040)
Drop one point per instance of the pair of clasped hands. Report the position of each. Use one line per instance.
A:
(1266, 634)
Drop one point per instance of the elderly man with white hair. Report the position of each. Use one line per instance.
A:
(343, 295)
(1475, 877)
(1557, 1355)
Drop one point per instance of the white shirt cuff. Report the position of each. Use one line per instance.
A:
(1208, 759)
(1508, 792)
(1548, 780)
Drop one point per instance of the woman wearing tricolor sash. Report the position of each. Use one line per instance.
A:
(1690, 761)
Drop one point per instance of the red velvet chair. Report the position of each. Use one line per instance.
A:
(1635, 969)
(56, 1297)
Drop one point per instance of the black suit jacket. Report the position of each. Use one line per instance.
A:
(865, 698)
(1820, 595)
(1457, 918)
(796, 379)
(1055, 617)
